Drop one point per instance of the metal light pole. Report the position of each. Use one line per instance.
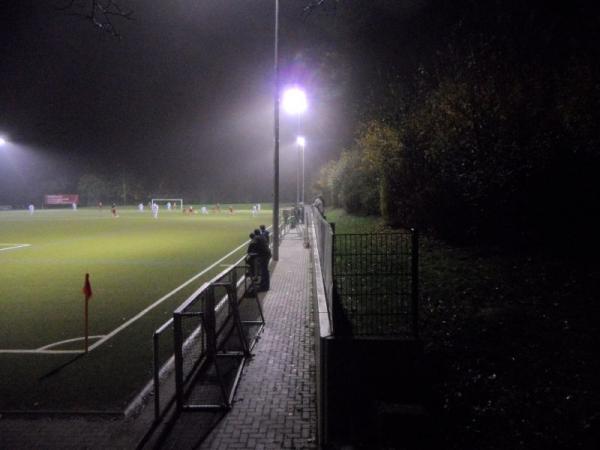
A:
(303, 149)
(301, 141)
(275, 230)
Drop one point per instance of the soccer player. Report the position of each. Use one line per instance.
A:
(141, 207)
(203, 210)
(31, 209)
(155, 210)
(113, 210)
(253, 210)
(74, 205)
(169, 206)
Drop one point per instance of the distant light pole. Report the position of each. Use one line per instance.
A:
(294, 102)
(301, 141)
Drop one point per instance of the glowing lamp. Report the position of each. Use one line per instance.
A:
(294, 101)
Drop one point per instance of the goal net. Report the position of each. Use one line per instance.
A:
(175, 203)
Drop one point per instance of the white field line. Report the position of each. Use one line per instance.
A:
(106, 337)
(66, 341)
(39, 352)
(13, 246)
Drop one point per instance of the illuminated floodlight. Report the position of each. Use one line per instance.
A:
(294, 101)
(2, 141)
(301, 141)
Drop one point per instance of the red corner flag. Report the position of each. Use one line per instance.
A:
(87, 287)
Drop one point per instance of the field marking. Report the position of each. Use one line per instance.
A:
(40, 352)
(66, 341)
(14, 246)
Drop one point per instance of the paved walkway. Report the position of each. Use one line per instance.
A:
(275, 403)
(274, 406)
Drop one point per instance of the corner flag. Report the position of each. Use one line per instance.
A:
(87, 291)
(87, 287)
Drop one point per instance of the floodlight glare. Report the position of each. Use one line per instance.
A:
(294, 101)
(2, 140)
(301, 141)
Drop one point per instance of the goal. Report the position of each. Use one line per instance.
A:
(176, 203)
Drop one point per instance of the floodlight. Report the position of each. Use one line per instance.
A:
(2, 140)
(301, 141)
(294, 101)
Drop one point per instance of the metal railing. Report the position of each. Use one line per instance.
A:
(192, 342)
(324, 232)
(202, 328)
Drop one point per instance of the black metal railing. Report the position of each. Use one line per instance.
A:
(190, 343)
(375, 284)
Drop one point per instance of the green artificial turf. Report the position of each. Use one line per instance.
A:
(133, 261)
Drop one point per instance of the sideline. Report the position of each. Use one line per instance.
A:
(14, 246)
(104, 338)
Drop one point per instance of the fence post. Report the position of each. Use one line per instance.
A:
(178, 351)
(210, 324)
(415, 280)
(156, 369)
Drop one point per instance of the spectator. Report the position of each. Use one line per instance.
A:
(252, 256)
(264, 256)
(265, 233)
(319, 205)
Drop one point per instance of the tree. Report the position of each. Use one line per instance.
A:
(93, 189)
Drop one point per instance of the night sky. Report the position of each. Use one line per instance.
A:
(182, 102)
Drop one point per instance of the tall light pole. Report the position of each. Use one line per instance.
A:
(275, 230)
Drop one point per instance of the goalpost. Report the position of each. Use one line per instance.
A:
(176, 203)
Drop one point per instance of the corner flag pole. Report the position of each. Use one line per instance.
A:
(87, 292)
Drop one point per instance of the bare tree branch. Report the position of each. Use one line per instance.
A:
(99, 12)
(328, 5)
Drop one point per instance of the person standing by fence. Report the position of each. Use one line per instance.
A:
(265, 233)
(264, 256)
(319, 205)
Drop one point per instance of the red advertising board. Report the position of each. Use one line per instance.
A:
(61, 199)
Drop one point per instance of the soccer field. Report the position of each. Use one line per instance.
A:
(140, 269)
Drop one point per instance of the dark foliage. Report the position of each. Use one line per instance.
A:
(490, 135)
